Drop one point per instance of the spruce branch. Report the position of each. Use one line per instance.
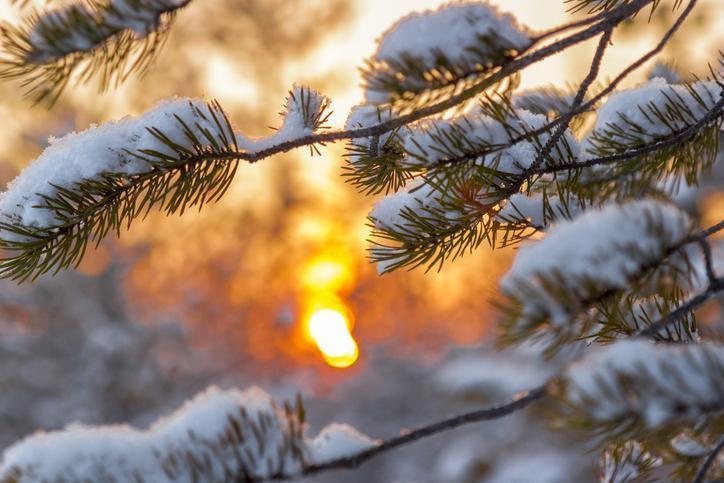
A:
(577, 100)
(110, 41)
(636, 389)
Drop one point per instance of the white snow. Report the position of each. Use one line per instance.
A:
(663, 382)
(455, 30)
(631, 104)
(201, 430)
(81, 453)
(126, 14)
(427, 143)
(43, 37)
(625, 468)
(417, 196)
(338, 440)
(688, 446)
(58, 32)
(606, 247)
(366, 115)
(103, 149)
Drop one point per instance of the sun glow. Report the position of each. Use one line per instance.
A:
(330, 330)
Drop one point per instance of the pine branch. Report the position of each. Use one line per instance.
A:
(591, 103)
(674, 139)
(565, 305)
(109, 40)
(612, 18)
(522, 401)
(577, 101)
(189, 161)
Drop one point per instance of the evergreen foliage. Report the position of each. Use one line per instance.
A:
(584, 180)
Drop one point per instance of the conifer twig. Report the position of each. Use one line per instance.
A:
(714, 285)
(699, 478)
(610, 19)
(353, 461)
(565, 120)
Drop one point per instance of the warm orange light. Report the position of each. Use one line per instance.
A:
(327, 275)
(330, 330)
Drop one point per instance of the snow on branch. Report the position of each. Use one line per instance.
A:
(114, 38)
(625, 463)
(635, 386)
(578, 262)
(464, 165)
(653, 113)
(436, 53)
(217, 436)
(180, 154)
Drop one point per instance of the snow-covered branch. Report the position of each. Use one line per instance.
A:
(219, 435)
(633, 386)
(115, 39)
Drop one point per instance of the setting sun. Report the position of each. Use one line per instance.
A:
(330, 330)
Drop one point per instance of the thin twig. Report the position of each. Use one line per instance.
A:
(566, 119)
(699, 478)
(674, 139)
(479, 415)
(612, 18)
(708, 262)
(617, 80)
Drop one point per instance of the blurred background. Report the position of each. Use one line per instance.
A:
(271, 286)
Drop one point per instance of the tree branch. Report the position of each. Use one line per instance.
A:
(714, 286)
(674, 139)
(612, 18)
(356, 460)
(699, 478)
(617, 80)
(566, 119)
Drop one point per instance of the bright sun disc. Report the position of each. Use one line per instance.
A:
(330, 330)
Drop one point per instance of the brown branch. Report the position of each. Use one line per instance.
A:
(611, 19)
(673, 139)
(714, 286)
(353, 461)
(699, 478)
(566, 119)
(617, 80)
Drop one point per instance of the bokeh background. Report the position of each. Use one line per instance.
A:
(225, 296)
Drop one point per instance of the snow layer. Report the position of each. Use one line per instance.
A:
(659, 383)
(634, 106)
(605, 247)
(103, 149)
(140, 16)
(58, 32)
(241, 432)
(455, 30)
(429, 142)
(625, 467)
(338, 441)
(362, 116)
(417, 196)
